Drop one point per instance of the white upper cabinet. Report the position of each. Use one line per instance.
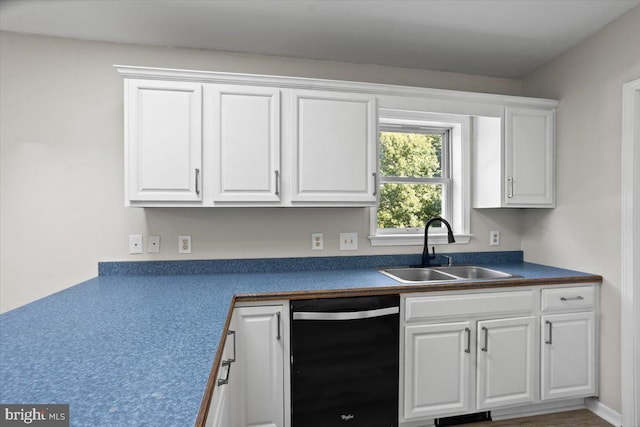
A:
(334, 147)
(163, 154)
(245, 135)
(199, 138)
(529, 157)
(513, 159)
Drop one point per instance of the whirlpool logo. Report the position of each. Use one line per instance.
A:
(42, 415)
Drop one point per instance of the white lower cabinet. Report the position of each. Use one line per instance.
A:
(255, 393)
(568, 355)
(487, 351)
(505, 354)
(437, 369)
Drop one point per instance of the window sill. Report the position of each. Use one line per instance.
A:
(416, 239)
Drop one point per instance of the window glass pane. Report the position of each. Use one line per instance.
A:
(408, 205)
(410, 154)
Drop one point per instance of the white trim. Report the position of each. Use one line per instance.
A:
(136, 72)
(630, 254)
(415, 239)
(603, 411)
(459, 214)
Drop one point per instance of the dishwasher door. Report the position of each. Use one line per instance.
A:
(344, 357)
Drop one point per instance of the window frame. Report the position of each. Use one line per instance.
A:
(457, 207)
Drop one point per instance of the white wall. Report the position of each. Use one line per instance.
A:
(61, 134)
(583, 232)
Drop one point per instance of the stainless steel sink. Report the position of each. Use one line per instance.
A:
(418, 274)
(444, 274)
(474, 272)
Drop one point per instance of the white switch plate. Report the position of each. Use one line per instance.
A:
(184, 244)
(317, 241)
(494, 238)
(153, 244)
(135, 244)
(348, 241)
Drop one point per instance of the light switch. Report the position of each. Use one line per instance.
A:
(135, 244)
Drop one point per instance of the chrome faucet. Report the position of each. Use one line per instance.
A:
(426, 258)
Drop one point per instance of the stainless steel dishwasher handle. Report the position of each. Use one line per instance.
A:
(351, 315)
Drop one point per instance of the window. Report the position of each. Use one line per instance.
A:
(415, 177)
(422, 163)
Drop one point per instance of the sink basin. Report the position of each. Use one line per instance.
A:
(417, 274)
(474, 272)
(444, 274)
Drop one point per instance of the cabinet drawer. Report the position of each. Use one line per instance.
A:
(471, 304)
(582, 297)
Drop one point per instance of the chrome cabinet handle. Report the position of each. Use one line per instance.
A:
(228, 362)
(550, 340)
(197, 181)
(375, 183)
(468, 349)
(486, 339)
(233, 359)
(510, 183)
(278, 336)
(225, 380)
(277, 173)
(578, 298)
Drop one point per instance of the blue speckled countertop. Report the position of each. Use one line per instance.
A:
(134, 346)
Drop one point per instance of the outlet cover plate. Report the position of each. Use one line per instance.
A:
(494, 238)
(184, 244)
(317, 242)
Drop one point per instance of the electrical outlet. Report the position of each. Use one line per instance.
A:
(348, 241)
(135, 244)
(317, 242)
(184, 244)
(153, 244)
(494, 238)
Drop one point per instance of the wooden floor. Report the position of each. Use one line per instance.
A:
(579, 418)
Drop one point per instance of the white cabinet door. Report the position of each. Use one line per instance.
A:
(163, 122)
(506, 362)
(246, 143)
(219, 414)
(334, 147)
(568, 355)
(529, 157)
(436, 378)
(258, 389)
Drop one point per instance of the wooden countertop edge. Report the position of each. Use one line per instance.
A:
(382, 290)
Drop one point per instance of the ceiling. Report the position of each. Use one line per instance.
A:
(501, 38)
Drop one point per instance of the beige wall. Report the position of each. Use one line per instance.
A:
(61, 114)
(583, 232)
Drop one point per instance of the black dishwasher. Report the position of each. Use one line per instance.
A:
(344, 361)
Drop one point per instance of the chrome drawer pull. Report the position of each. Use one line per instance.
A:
(578, 298)
(197, 179)
(277, 174)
